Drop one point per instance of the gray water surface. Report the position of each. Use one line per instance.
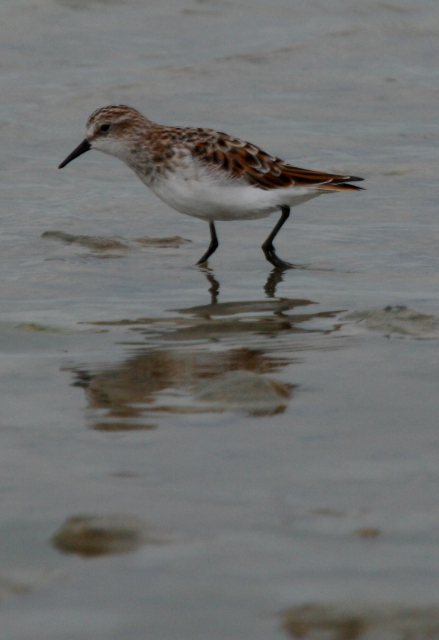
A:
(228, 452)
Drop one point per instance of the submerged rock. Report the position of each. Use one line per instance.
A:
(100, 535)
(399, 320)
(97, 243)
(172, 241)
(358, 622)
(244, 391)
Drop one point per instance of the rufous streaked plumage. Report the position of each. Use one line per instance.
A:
(205, 173)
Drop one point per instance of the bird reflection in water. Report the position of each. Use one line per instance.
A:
(275, 277)
(207, 359)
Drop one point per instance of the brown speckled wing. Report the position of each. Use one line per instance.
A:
(244, 160)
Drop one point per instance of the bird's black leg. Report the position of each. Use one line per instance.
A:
(268, 247)
(213, 244)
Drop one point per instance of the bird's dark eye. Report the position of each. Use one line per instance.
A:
(104, 127)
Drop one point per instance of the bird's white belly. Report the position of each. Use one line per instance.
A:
(213, 200)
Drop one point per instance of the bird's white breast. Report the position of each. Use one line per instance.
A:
(204, 193)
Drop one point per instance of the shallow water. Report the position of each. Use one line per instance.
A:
(248, 453)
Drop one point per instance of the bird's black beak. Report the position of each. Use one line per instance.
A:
(80, 149)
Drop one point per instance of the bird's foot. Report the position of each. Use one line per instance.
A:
(272, 257)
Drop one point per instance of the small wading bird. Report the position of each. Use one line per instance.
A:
(205, 173)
